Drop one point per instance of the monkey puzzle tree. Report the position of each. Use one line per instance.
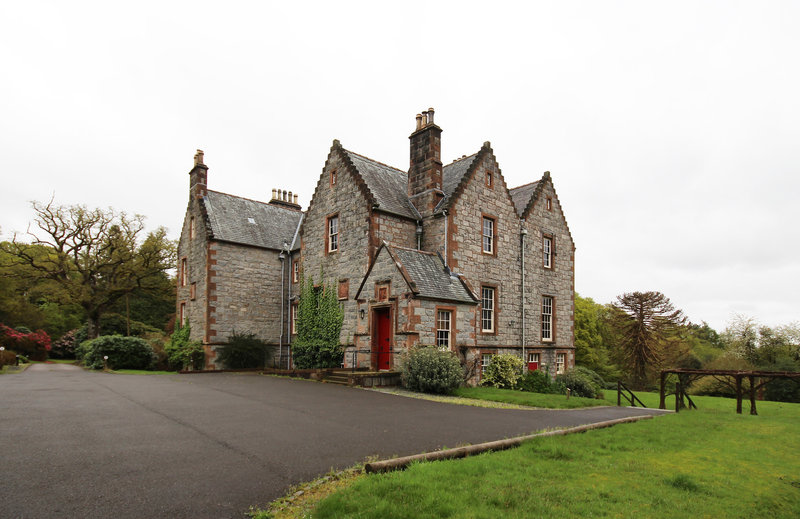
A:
(644, 322)
(96, 256)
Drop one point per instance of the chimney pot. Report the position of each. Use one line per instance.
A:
(284, 195)
(295, 199)
(273, 193)
(419, 121)
(424, 119)
(290, 197)
(198, 157)
(430, 115)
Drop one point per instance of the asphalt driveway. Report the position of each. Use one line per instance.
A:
(81, 444)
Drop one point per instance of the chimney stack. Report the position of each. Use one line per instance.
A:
(198, 177)
(283, 198)
(425, 168)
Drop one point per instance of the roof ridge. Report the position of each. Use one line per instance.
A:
(251, 200)
(376, 161)
(525, 185)
(410, 249)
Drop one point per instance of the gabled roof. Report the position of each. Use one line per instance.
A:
(387, 185)
(453, 174)
(522, 195)
(425, 274)
(248, 222)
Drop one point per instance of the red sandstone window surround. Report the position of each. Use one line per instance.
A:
(547, 251)
(445, 333)
(332, 234)
(184, 273)
(344, 289)
(549, 204)
(488, 236)
(488, 309)
(547, 318)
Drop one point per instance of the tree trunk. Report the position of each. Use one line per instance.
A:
(93, 326)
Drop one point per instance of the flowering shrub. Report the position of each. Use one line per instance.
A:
(64, 348)
(34, 345)
(431, 370)
(504, 371)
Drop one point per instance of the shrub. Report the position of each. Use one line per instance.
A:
(64, 348)
(123, 352)
(503, 371)
(182, 352)
(25, 342)
(537, 381)
(7, 358)
(243, 351)
(431, 370)
(579, 383)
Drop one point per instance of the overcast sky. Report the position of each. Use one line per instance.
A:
(671, 129)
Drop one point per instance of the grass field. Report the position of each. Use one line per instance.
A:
(706, 463)
(530, 399)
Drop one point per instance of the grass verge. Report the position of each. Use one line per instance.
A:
(706, 463)
(525, 398)
(140, 372)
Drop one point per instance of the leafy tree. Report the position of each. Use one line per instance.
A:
(592, 338)
(741, 337)
(645, 321)
(95, 256)
(318, 325)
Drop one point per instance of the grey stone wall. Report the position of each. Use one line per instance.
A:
(194, 250)
(557, 282)
(501, 269)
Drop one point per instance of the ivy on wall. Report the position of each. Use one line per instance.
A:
(318, 325)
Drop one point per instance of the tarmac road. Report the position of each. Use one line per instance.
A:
(83, 444)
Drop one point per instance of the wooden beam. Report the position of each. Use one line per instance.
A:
(753, 411)
(738, 394)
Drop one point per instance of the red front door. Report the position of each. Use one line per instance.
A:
(383, 337)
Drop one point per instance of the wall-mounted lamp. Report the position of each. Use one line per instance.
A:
(362, 313)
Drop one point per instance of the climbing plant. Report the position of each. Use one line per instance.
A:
(318, 326)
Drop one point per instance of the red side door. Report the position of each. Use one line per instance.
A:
(383, 338)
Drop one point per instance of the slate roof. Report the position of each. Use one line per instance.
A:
(248, 222)
(388, 185)
(521, 196)
(430, 280)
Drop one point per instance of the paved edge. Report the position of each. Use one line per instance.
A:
(461, 452)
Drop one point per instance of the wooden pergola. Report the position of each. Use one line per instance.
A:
(757, 380)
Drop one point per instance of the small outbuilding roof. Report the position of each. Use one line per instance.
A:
(249, 222)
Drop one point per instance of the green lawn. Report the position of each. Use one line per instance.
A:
(142, 372)
(706, 463)
(510, 396)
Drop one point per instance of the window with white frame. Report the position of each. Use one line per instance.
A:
(486, 359)
(547, 250)
(295, 271)
(547, 318)
(183, 314)
(293, 320)
(561, 359)
(487, 309)
(443, 328)
(488, 235)
(333, 233)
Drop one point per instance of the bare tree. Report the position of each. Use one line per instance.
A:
(96, 255)
(644, 322)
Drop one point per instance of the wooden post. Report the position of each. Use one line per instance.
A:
(677, 397)
(619, 393)
(752, 395)
(662, 403)
(738, 394)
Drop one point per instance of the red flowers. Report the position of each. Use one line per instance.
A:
(31, 344)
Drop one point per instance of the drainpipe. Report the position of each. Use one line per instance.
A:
(444, 212)
(419, 235)
(523, 233)
(282, 257)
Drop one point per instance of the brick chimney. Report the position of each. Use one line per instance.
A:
(198, 177)
(425, 169)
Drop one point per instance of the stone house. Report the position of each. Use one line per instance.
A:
(234, 256)
(444, 255)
